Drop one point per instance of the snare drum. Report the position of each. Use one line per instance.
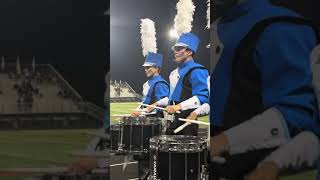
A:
(136, 133)
(178, 157)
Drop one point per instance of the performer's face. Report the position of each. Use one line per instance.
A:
(181, 54)
(150, 71)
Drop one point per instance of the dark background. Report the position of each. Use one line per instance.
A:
(125, 44)
(72, 35)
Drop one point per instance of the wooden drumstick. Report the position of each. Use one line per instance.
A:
(156, 107)
(194, 121)
(180, 128)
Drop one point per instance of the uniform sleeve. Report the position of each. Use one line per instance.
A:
(161, 90)
(283, 58)
(163, 102)
(198, 79)
(203, 110)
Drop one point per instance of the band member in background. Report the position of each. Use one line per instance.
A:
(156, 87)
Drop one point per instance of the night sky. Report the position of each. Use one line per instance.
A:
(72, 35)
(125, 39)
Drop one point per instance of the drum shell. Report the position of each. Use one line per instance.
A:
(175, 164)
(136, 132)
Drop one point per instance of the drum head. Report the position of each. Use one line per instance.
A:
(178, 143)
(140, 120)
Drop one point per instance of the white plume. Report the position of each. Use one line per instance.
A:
(184, 17)
(148, 36)
(208, 15)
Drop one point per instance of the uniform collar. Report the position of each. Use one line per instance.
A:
(185, 64)
(155, 77)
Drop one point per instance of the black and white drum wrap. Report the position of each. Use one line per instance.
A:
(178, 157)
(136, 133)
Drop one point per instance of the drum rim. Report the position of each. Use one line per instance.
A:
(160, 145)
(139, 120)
(195, 138)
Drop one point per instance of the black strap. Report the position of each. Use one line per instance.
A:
(186, 91)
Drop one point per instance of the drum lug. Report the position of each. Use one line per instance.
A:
(203, 174)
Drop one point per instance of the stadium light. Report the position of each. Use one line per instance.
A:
(173, 34)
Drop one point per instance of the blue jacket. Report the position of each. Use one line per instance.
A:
(282, 56)
(155, 89)
(197, 79)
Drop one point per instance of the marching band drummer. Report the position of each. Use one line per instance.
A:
(188, 84)
(156, 87)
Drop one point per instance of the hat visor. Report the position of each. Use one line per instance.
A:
(179, 44)
(148, 64)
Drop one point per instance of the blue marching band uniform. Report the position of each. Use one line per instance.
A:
(262, 76)
(188, 86)
(156, 87)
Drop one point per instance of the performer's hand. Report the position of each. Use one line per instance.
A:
(82, 165)
(192, 116)
(135, 114)
(149, 109)
(172, 109)
(218, 144)
(268, 170)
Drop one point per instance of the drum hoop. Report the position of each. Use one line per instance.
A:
(197, 144)
(140, 121)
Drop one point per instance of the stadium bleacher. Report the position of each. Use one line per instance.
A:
(121, 91)
(38, 97)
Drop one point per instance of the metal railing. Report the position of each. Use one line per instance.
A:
(40, 108)
(77, 95)
(25, 108)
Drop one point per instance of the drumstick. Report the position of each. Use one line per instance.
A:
(180, 128)
(194, 121)
(157, 107)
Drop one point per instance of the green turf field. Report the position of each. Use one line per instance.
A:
(125, 108)
(39, 148)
